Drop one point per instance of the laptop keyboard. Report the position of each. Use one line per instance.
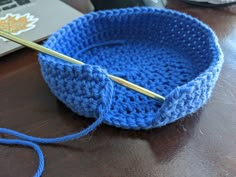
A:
(9, 4)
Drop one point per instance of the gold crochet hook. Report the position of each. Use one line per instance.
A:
(45, 50)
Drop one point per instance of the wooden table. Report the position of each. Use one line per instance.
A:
(201, 145)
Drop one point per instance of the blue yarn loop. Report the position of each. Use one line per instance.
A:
(30, 141)
(28, 144)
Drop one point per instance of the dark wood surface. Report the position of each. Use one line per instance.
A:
(200, 145)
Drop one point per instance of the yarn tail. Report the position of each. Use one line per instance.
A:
(30, 141)
(28, 144)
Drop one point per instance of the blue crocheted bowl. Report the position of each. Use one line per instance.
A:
(162, 50)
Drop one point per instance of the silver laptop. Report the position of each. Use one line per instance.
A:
(33, 20)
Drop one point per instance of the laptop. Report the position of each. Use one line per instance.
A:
(33, 20)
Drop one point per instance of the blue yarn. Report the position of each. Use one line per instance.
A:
(31, 141)
(52, 140)
(165, 51)
(29, 144)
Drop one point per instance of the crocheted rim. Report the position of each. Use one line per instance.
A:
(179, 93)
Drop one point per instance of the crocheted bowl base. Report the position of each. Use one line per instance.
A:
(164, 51)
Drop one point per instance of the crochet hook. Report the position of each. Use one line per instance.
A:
(45, 50)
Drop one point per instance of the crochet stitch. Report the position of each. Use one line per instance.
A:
(162, 50)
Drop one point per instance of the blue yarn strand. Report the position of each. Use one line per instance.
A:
(30, 141)
(52, 140)
(28, 144)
